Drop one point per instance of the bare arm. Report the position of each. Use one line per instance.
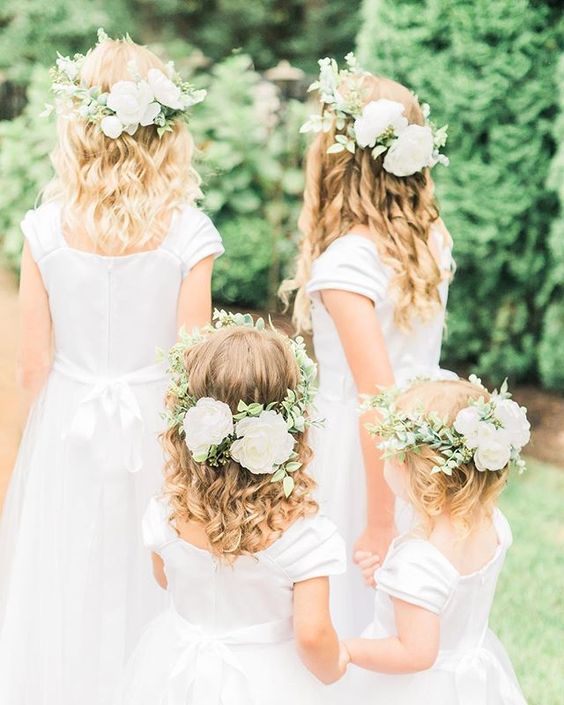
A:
(194, 300)
(365, 348)
(316, 639)
(35, 329)
(159, 571)
(415, 648)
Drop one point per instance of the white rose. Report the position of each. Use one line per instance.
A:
(111, 126)
(467, 423)
(207, 424)
(514, 420)
(133, 103)
(264, 442)
(377, 116)
(494, 448)
(165, 91)
(410, 152)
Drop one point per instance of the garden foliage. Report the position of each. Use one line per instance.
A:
(488, 68)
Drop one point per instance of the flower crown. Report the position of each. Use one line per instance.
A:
(158, 99)
(261, 438)
(380, 125)
(490, 433)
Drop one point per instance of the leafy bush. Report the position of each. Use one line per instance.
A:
(488, 69)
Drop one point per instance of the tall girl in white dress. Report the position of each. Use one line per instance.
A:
(244, 560)
(372, 280)
(114, 261)
(429, 638)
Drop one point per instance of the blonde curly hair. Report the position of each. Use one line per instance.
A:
(120, 192)
(343, 190)
(240, 512)
(468, 494)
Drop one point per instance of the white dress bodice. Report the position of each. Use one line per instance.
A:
(352, 263)
(111, 313)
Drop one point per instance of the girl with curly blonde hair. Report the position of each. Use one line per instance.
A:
(371, 283)
(115, 260)
(242, 552)
(450, 445)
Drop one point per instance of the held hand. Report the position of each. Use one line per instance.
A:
(375, 540)
(344, 658)
(368, 564)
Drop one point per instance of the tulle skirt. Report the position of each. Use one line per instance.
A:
(76, 588)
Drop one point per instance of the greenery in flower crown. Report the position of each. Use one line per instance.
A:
(489, 434)
(161, 107)
(379, 125)
(294, 408)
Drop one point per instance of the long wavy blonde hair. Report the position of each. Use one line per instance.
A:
(344, 190)
(120, 193)
(468, 495)
(240, 512)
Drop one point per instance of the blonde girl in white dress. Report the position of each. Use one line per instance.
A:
(449, 445)
(236, 537)
(115, 260)
(372, 279)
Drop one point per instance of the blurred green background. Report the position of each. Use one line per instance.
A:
(492, 69)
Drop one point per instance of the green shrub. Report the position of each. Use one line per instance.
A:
(488, 69)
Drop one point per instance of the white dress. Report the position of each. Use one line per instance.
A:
(75, 587)
(472, 667)
(351, 263)
(226, 638)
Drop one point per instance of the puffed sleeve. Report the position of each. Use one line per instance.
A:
(312, 548)
(40, 227)
(157, 531)
(350, 263)
(198, 238)
(416, 572)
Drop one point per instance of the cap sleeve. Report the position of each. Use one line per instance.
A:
(312, 548)
(350, 263)
(41, 228)
(157, 531)
(196, 238)
(416, 572)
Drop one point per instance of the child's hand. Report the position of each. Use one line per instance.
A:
(368, 564)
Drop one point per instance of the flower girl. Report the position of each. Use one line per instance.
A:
(374, 269)
(449, 444)
(236, 538)
(115, 260)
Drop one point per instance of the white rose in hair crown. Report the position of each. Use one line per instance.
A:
(491, 434)
(156, 99)
(379, 125)
(260, 437)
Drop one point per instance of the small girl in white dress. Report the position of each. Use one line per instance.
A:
(450, 444)
(236, 538)
(372, 283)
(115, 260)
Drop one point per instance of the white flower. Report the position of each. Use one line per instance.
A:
(164, 90)
(377, 117)
(494, 448)
(411, 151)
(67, 66)
(133, 104)
(111, 126)
(264, 442)
(467, 423)
(514, 420)
(207, 424)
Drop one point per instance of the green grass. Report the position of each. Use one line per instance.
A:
(528, 614)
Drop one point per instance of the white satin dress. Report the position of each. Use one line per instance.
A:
(351, 263)
(472, 667)
(227, 637)
(75, 586)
